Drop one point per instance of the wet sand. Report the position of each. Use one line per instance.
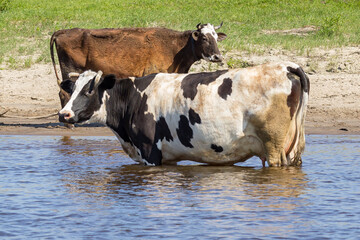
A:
(52, 127)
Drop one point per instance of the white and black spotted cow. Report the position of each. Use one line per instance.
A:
(218, 118)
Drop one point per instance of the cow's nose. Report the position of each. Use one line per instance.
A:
(64, 116)
(217, 58)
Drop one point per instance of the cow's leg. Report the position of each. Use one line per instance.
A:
(263, 160)
(284, 159)
(274, 150)
(274, 160)
(154, 157)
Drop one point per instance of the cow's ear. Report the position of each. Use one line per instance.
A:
(221, 36)
(195, 35)
(108, 82)
(67, 86)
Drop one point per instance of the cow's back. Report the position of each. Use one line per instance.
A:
(124, 52)
(132, 51)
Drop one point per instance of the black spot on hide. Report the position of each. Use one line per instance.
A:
(118, 109)
(194, 117)
(126, 115)
(190, 83)
(185, 133)
(143, 82)
(142, 131)
(225, 88)
(162, 131)
(216, 148)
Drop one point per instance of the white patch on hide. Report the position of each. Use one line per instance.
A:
(209, 29)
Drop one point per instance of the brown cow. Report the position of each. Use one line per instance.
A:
(136, 52)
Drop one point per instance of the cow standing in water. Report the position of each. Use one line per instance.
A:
(137, 52)
(218, 118)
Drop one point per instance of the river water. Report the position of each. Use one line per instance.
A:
(54, 187)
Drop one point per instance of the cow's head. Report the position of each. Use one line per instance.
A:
(86, 102)
(63, 94)
(206, 39)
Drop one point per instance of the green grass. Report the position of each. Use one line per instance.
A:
(237, 63)
(26, 25)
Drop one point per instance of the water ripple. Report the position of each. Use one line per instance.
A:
(86, 187)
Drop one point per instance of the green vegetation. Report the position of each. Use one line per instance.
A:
(330, 26)
(3, 5)
(237, 63)
(26, 25)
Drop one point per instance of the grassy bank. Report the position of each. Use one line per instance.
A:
(26, 25)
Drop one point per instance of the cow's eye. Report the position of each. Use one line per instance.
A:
(89, 93)
(204, 38)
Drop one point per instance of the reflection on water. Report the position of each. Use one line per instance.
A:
(207, 182)
(88, 147)
(87, 187)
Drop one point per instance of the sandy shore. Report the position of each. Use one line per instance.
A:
(334, 105)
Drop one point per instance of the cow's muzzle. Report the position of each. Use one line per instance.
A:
(216, 58)
(66, 116)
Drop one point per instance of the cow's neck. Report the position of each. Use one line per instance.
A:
(186, 56)
(118, 106)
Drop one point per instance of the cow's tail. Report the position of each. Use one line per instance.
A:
(52, 42)
(295, 143)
